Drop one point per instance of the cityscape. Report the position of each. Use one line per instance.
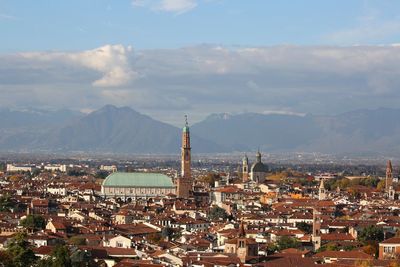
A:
(199, 133)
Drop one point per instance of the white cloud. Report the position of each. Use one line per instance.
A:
(177, 6)
(173, 6)
(203, 79)
(112, 61)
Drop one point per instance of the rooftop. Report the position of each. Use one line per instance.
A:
(138, 179)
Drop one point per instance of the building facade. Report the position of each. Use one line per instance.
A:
(131, 186)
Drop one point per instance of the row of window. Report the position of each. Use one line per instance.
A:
(139, 191)
(388, 249)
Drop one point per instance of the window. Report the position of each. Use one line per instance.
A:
(388, 249)
(120, 245)
(241, 244)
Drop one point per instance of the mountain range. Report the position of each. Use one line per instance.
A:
(124, 130)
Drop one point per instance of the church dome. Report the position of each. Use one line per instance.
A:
(259, 167)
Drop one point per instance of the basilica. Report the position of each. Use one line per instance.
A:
(136, 185)
(258, 170)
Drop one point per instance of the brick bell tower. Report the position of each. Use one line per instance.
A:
(184, 183)
(389, 176)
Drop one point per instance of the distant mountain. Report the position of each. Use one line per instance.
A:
(250, 131)
(35, 118)
(124, 130)
(21, 129)
(121, 130)
(360, 131)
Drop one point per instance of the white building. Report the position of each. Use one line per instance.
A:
(57, 190)
(19, 168)
(57, 167)
(109, 168)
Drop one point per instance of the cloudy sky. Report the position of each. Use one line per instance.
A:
(167, 58)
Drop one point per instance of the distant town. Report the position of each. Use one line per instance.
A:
(218, 210)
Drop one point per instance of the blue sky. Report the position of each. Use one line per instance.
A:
(148, 24)
(166, 58)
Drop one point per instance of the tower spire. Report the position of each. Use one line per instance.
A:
(185, 181)
(389, 176)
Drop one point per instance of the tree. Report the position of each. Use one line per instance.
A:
(81, 258)
(21, 253)
(6, 203)
(33, 222)
(210, 178)
(101, 174)
(381, 185)
(305, 227)
(285, 242)
(217, 213)
(6, 259)
(371, 235)
(329, 247)
(61, 256)
(167, 232)
(272, 248)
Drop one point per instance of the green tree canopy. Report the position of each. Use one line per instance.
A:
(305, 227)
(33, 222)
(20, 252)
(59, 257)
(6, 203)
(167, 232)
(217, 213)
(285, 242)
(371, 235)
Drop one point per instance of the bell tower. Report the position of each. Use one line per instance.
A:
(322, 190)
(184, 183)
(245, 169)
(389, 175)
(186, 154)
(316, 230)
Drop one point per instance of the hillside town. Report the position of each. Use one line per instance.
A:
(62, 214)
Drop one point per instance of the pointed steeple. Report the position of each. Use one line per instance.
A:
(258, 156)
(389, 165)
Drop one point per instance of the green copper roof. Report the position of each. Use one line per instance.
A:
(186, 129)
(138, 179)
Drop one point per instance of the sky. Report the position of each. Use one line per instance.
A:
(166, 58)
